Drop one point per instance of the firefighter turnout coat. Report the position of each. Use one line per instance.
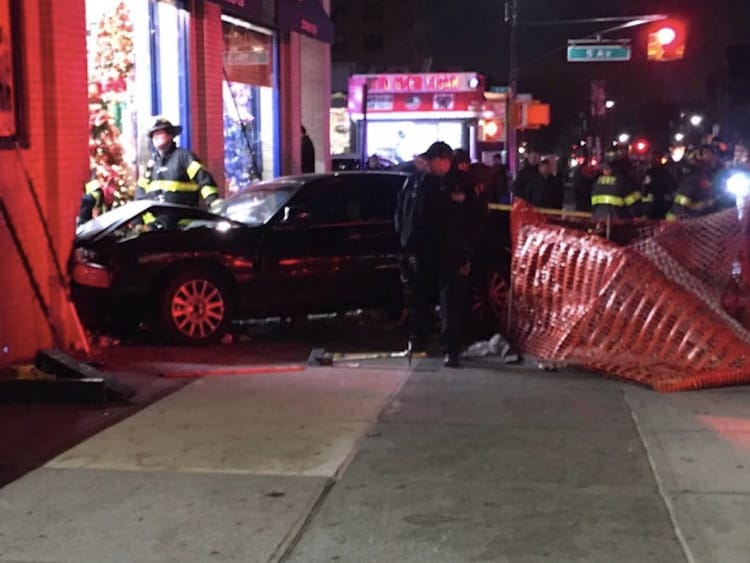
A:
(178, 177)
(615, 195)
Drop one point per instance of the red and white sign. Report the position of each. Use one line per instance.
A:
(405, 93)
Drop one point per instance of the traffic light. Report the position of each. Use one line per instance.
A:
(666, 41)
(490, 130)
(640, 147)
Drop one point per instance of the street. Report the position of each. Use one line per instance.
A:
(378, 461)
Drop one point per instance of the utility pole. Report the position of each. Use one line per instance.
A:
(510, 129)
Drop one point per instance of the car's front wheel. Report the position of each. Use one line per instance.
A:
(196, 307)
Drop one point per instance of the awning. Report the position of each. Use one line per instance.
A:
(244, 9)
(305, 16)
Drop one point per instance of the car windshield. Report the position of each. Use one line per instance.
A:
(257, 204)
(116, 215)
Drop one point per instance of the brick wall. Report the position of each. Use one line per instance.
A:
(207, 110)
(305, 98)
(54, 99)
(290, 99)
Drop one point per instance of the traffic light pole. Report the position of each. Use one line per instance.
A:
(510, 128)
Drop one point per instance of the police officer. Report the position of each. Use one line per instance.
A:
(614, 193)
(439, 219)
(175, 174)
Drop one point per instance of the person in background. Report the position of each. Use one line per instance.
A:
(373, 163)
(308, 153)
(544, 189)
(461, 160)
(528, 175)
(583, 182)
(614, 193)
(698, 190)
(96, 199)
(500, 191)
(659, 187)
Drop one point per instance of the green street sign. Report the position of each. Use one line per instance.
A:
(598, 53)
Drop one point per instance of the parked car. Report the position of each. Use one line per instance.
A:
(296, 245)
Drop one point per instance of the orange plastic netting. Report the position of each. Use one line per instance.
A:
(645, 305)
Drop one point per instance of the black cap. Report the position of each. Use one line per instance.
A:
(163, 124)
(438, 149)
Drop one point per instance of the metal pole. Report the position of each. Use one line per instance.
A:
(512, 90)
(363, 156)
(510, 129)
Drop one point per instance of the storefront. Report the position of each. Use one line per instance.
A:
(179, 59)
(138, 67)
(250, 100)
(400, 115)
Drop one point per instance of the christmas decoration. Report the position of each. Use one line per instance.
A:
(240, 136)
(109, 78)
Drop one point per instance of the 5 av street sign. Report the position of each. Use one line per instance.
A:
(597, 53)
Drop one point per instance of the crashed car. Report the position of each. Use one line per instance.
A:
(292, 246)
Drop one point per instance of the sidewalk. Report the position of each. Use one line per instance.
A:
(386, 464)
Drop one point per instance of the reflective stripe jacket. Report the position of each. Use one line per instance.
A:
(615, 196)
(179, 177)
(93, 199)
(695, 196)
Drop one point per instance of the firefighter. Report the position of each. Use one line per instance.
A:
(696, 194)
(615, 194)
(93, 201)
(175, 174)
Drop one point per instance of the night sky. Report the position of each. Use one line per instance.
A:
(471, 35)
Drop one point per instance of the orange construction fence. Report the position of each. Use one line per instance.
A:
(646, 304)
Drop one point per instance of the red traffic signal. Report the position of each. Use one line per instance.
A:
(640, 146)
(666, 35)
(666, 41)
(491, 131)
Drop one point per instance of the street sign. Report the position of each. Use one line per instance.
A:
(597, 53)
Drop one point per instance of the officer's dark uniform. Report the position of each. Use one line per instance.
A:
(176, 174)
(420, 254)
(93, 199)
(615, 194)
(462, 219)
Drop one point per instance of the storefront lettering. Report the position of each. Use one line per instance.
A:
(418, 83)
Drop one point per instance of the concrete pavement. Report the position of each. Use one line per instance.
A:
(381, 463)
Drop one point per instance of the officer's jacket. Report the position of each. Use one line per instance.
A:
(462, 216)
(179, 177)
(695, 196)
(616, 196)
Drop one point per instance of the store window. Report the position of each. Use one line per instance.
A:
(137, 69)
(249, 104)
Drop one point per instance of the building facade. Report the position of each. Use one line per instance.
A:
(212, 66)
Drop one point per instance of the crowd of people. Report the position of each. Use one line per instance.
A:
(445, 229)
(625, 186)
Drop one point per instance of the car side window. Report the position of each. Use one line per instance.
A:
(332, 201)
(380, 197)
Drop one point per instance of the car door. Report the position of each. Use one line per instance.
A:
(308, 249)
(375, 257)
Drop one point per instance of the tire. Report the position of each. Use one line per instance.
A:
(489, 302)
(196, 308)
